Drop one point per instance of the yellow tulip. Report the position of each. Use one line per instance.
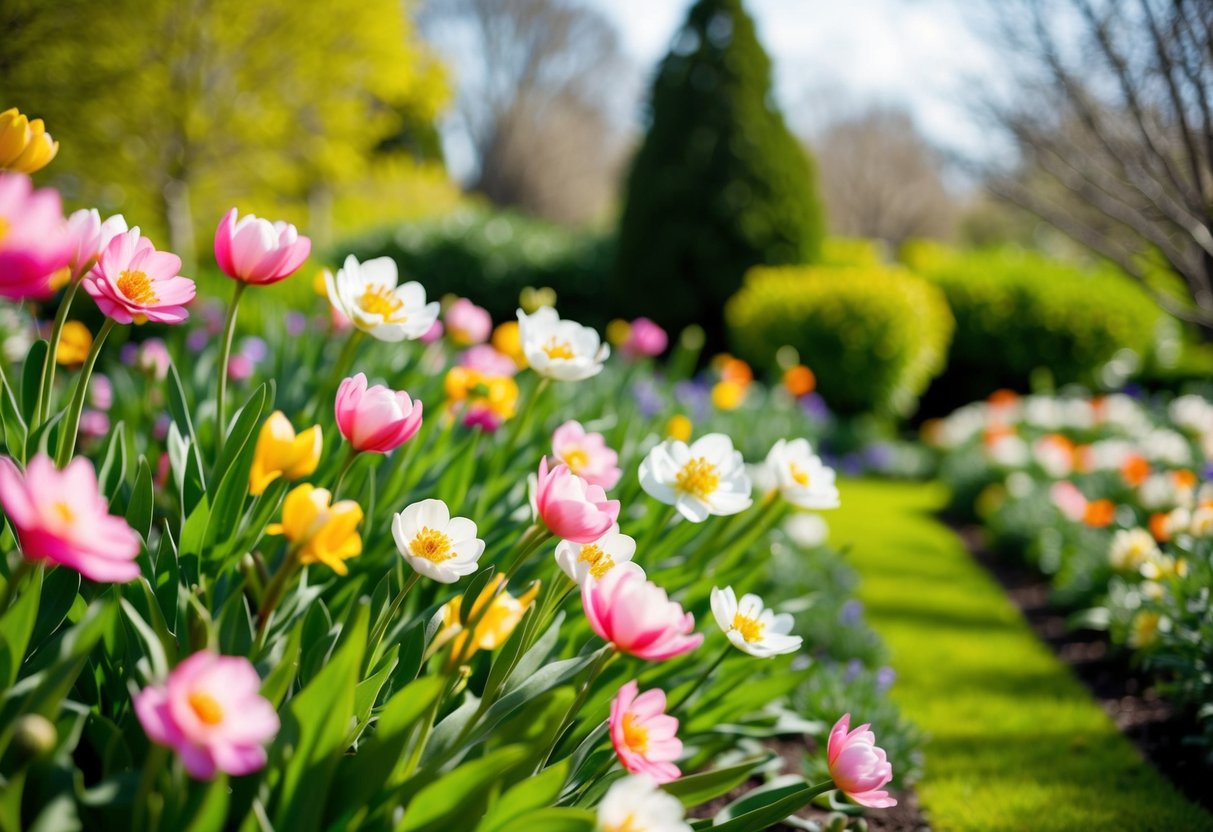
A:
(317, 531)
(497, 394)
(494, 626)
(25, 146)
(282, 453)
(74, 343)
(728, 395)
(508, 341)
(618, 331)
(679, 427)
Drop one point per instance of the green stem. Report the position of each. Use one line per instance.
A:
(273, 594)
(344, 361)
(151, 770)
(350, 457)
(521, 422)
(229, 331)
(534, 537)
(24, 568)
(382, 627)
(43, 407)
(702, 678)
(600, 663)
(71, 424)
(664, 515)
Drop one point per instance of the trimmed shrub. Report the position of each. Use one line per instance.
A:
(874, 336)
(493, 256)
(1018, 313)
(719, 185)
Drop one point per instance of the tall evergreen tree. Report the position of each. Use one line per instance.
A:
(720, 184)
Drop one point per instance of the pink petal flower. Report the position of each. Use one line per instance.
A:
(468, 323)
(645, 338)
(34, 240)
(643, 735)
(571, 508)
(858, 766)
(638, 617)
(134, 283)
(253, 250)
(375, 419)
(586, 455)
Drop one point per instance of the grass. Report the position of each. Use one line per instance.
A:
(1015, 741)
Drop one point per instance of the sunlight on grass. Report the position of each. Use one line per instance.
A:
(1015, 742)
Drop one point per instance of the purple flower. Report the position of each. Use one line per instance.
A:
(850, 613)
(854, 668)
(296, 324)
(254, 348)
(101, 392)
(197, 339)
(885, 678)
(648, 397)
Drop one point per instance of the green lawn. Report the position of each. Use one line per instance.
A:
(1015, 741)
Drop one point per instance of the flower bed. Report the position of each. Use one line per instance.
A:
(1111, 498)
(253, 583)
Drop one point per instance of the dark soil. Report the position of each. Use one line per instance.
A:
(1154, 725)
(906, 816)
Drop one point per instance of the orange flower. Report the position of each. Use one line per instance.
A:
(995, 432)
(1135, 470)
(1184, 479)
(1159, 526)
(1003, 398)
(1099, 513)
(737, 371)
(799, 380)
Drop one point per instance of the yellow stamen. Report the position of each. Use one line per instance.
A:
(576, 459)
(381, 299)
(635, 737)
(628, 825)
(800, 475)
(206, 708)
(65, 512)
(4, 226)
(432, 545)
(750, 628)
(555, 349)
(698, 478)
(137, 287)
(600, 562)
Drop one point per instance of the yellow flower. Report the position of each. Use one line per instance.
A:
(1144, 629)
(508, 341)
(618, 331)
(531, 298)
(74, 343)
(25, 146)
(496, 624)
(728, 395)
(280, 453)
(679, 427)
(319, 532)
(497, 394)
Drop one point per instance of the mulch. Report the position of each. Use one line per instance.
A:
(1128, 696)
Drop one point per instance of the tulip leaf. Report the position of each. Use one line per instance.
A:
(168, 579)
(113, 461)
(16, 628)
(314, 729)
(285, 667)
(554, 820)
(474, 588)
(59, 593)
(179, 409)
(246, 422)
(14, 424)
(31, 379)
(45, 436)
(139, 507)
(766, 805)
(455, 798)
(232, 474)
(154, 648)
(535, 792)
(697, 789)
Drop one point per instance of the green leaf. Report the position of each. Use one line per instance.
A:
(232, 474)
(59, 593)
(474, 588)
(697, 789)
(285, 666)
(139, 509)
(554, 820)
(207, 810)
(459, 796)
(16, 628)
(14, 424)
(113, 461)
(180, 410)
(168, 579)
(362, 776)
(537, 792)
(768, 805)
(247, 421)
(314, 728)
(31, 378)
(154, 648)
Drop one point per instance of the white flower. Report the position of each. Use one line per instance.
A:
(1162, 445)
(801, 477)
(807, 530)
(435, 544)
(1009, 452)
(1202, 522)
(582, 562)
(1131, 548)
(751, 627)
(561, 350)
(368, 294)
(707, 477)
(636, 804)
(1191, 413)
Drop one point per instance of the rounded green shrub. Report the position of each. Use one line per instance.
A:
(875, 336)
(1020, 314)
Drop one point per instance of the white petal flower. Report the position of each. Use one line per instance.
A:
(702, 479)
(441, 547)
(592, 561)
(800, 475)
(751, 627)
(560, 350)
(636, 804)
(368, 294)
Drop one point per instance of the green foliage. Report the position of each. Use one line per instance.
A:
(719, 184)
(492, 256)
(1018, 312)
(875, 337)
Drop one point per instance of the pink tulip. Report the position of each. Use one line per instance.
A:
(94, 423)
(34, 243)
(431, 335)
(1068, 499)
(570, 507)
(134, 283)
(645, 338)
(253, 250)
(90, 236)
(858, 767)
(211, 712)
(488, 360)
(644, 736)
(638, 617)
(586, 454)
(61, 517)
(376, 419)
(468, 323)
